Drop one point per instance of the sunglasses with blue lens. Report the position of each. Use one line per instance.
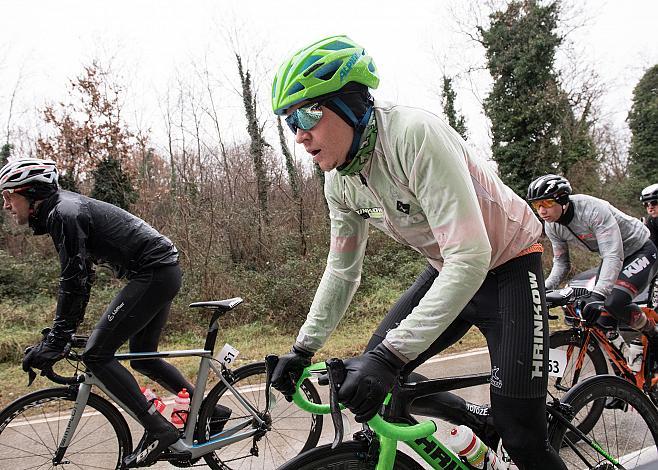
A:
(305, 118)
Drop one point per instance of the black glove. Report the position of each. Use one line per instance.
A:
(589, 310)
(289, 369)
(45, 353)
(369, 378)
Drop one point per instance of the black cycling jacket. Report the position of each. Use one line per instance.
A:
(652, 225)
(86, 231)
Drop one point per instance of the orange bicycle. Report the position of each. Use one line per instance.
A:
(590, 351)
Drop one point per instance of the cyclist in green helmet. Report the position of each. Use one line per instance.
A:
(406, 172)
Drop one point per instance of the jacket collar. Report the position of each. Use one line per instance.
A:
(365, 150)
(38, 219)
(567, 215)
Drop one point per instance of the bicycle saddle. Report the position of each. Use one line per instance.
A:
(221, 305)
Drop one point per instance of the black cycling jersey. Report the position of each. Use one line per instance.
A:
(652, 225)
(510, 311)
(86, 231)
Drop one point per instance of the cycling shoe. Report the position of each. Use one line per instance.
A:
(159, 434)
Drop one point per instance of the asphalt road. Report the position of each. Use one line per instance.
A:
(459, 364)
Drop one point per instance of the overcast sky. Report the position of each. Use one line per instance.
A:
(150, 43)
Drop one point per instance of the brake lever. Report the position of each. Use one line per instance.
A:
(31, 376)
(271, 360)
(336, 374)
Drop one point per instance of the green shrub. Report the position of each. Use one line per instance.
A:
(22, 279)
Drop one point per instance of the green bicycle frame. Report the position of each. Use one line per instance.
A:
(418, 436)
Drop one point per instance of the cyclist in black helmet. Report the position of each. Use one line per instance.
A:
(649, 197)
(87, 232)
(628, 257)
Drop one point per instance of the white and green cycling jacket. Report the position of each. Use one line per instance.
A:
(426, 189)
(600, 227)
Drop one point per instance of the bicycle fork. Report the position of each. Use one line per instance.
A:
(76, 414)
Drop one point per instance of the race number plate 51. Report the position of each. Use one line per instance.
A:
(227, 355)
(557, 362)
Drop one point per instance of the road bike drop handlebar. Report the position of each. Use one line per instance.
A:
(77, 341)
(568, 295)
(334, 370)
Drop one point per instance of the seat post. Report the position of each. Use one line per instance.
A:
(213, 329)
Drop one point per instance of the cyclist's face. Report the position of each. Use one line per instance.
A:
(328, 141)
(652, 208)
(17, 205)
(550, 214)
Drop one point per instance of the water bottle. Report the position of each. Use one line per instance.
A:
(151, 397)
(635, 352)
(463, 442)
(617, 341)
(181, 409)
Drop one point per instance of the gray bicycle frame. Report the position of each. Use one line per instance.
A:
(186, 442)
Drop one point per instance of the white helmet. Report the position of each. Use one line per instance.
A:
(32, 177)
(650, 193)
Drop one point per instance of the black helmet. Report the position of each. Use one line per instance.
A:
(550, 187)
(650, 193)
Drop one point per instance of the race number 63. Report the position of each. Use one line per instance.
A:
(557, 362)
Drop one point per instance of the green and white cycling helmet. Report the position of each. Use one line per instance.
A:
(320, 69)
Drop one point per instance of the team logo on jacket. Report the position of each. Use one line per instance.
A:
(371, 212)
(402, 207)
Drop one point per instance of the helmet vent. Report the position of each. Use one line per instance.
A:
(337, 46)
(309, 62)
(295, 88)
(312, 68)
(328, 71)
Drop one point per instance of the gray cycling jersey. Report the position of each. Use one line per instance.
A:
(600, 227)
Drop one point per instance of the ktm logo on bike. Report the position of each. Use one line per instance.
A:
(636, 266)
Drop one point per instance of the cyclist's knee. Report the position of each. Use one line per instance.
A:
(616, 306)
(98, 353)
(149, 367)
(620, 305)
(95, 359)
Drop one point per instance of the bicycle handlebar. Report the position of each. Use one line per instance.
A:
(394, 431)
(60, 379)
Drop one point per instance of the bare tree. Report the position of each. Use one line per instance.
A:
(257, 146)
(293, 177)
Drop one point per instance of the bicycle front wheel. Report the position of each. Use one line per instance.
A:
(292, 430)
(352, 455)
(627, 429)
(32, 427)
(593, 363)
